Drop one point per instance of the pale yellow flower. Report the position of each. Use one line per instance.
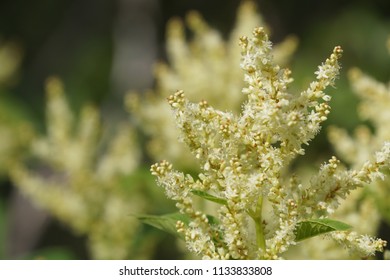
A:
(208, 67)
(244, 158)
(79, 183)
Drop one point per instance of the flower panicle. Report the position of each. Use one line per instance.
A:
(243, 158)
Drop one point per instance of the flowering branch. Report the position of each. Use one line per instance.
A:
(244, 158)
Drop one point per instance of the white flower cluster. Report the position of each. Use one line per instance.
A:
(207, 67)
(244, 160)
(78, 183)
(363, 145)
(375, 101)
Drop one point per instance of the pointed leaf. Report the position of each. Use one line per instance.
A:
(209, 197)
(212, 220)
(165, 223)
(310, 228)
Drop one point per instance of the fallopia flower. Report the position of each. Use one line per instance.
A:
(208, 67)
(244, 159)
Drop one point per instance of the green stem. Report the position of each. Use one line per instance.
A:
(260, 240)
(257, 217)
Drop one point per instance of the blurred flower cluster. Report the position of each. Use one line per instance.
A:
(80, 185)
(15, 131)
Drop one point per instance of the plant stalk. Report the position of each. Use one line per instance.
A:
(260, 239)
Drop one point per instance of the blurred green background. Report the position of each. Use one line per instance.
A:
(101, 49)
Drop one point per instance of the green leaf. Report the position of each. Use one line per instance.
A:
(310, 228)
(165, 223)
(212, 220)
(209, 197)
